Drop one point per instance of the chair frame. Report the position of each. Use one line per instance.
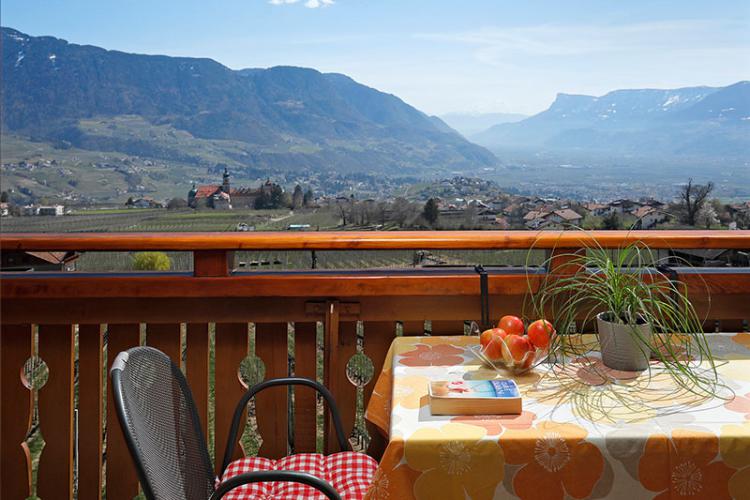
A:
(283, 381)
(225, 487)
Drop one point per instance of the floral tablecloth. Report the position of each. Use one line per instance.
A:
(585, 431)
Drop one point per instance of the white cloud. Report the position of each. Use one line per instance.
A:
(314, 4)
(310, 4)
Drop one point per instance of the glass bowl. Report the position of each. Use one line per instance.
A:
(528, 362)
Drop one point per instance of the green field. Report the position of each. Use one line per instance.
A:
(162, 220)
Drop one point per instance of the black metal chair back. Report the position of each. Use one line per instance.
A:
(161, 426)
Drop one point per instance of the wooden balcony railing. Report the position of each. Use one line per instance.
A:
(333, 325)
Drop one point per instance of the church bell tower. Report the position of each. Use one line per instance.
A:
(225, 181)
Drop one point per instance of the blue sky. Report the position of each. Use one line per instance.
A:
(440, 56)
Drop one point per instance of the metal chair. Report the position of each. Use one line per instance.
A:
(163, 433)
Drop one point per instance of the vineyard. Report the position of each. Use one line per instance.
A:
(161, 220)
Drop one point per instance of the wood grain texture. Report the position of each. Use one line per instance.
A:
(210, 263)
(271, 309)
(311, 286)
(196, 367)
(56, 348)
(166, 338)
(449, 327)
(271, 404)
(374, 240)
(378, 338)
(231, 348)
(341, 347)
(305, 399)
(278, 285)
(15, 410)
(122, 481)
(90, 410)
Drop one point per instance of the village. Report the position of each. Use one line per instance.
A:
(456, 203)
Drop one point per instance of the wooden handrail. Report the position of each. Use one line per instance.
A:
(374, 240)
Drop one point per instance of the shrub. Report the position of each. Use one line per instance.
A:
(151, 261)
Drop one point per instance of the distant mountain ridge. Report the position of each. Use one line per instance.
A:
(469, 124)
(704, 121)
(287, 116)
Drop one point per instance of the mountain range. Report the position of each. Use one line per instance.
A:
(468, 124)
(692, 121)
(280, 117)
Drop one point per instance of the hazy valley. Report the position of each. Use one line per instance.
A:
(85, 125)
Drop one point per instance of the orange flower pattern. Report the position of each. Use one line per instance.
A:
(556, 461)
(496, 424)
(455, 461)
(393, 479)
(433, 355)
(684, 465)
(562, 446)
(734, 444)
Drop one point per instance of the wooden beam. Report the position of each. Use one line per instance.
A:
(312, 286)
(261, 286)
(373, 240)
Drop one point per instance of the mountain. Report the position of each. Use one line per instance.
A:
(469, 124)
(276, 118)
(693, 121)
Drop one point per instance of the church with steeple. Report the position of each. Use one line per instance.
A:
(224, 197)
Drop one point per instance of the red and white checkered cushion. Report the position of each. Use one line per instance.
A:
(350, 473)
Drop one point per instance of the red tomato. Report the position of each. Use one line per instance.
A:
(511, 324)
(487, 335)
(540, 332)
(518, 347)
(494, 348)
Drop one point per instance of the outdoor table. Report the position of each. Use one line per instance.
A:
(583, 433)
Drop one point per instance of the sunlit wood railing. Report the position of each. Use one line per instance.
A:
(331, 325)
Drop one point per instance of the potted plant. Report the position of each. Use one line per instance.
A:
(639, 312)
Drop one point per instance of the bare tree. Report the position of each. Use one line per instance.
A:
(470, 217)
(344, 208)
(402, 211)
(382, 210)
(692, 198)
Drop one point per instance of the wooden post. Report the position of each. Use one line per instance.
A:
(15, 405)
(122, 481)
(211, 263)
(332, 364)
(90, 410)
(55, 478)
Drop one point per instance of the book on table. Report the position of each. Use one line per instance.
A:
(475, 397)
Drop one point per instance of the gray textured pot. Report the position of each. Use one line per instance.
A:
(624, 347)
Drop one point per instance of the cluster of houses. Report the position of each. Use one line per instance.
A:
(550, 213)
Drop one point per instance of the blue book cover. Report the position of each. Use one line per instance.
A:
(495, 389)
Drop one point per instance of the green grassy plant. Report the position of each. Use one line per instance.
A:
(630, 285)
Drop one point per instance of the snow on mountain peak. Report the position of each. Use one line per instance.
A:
(671, 101)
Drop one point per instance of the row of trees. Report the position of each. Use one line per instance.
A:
(276, 197)
(400, 212)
